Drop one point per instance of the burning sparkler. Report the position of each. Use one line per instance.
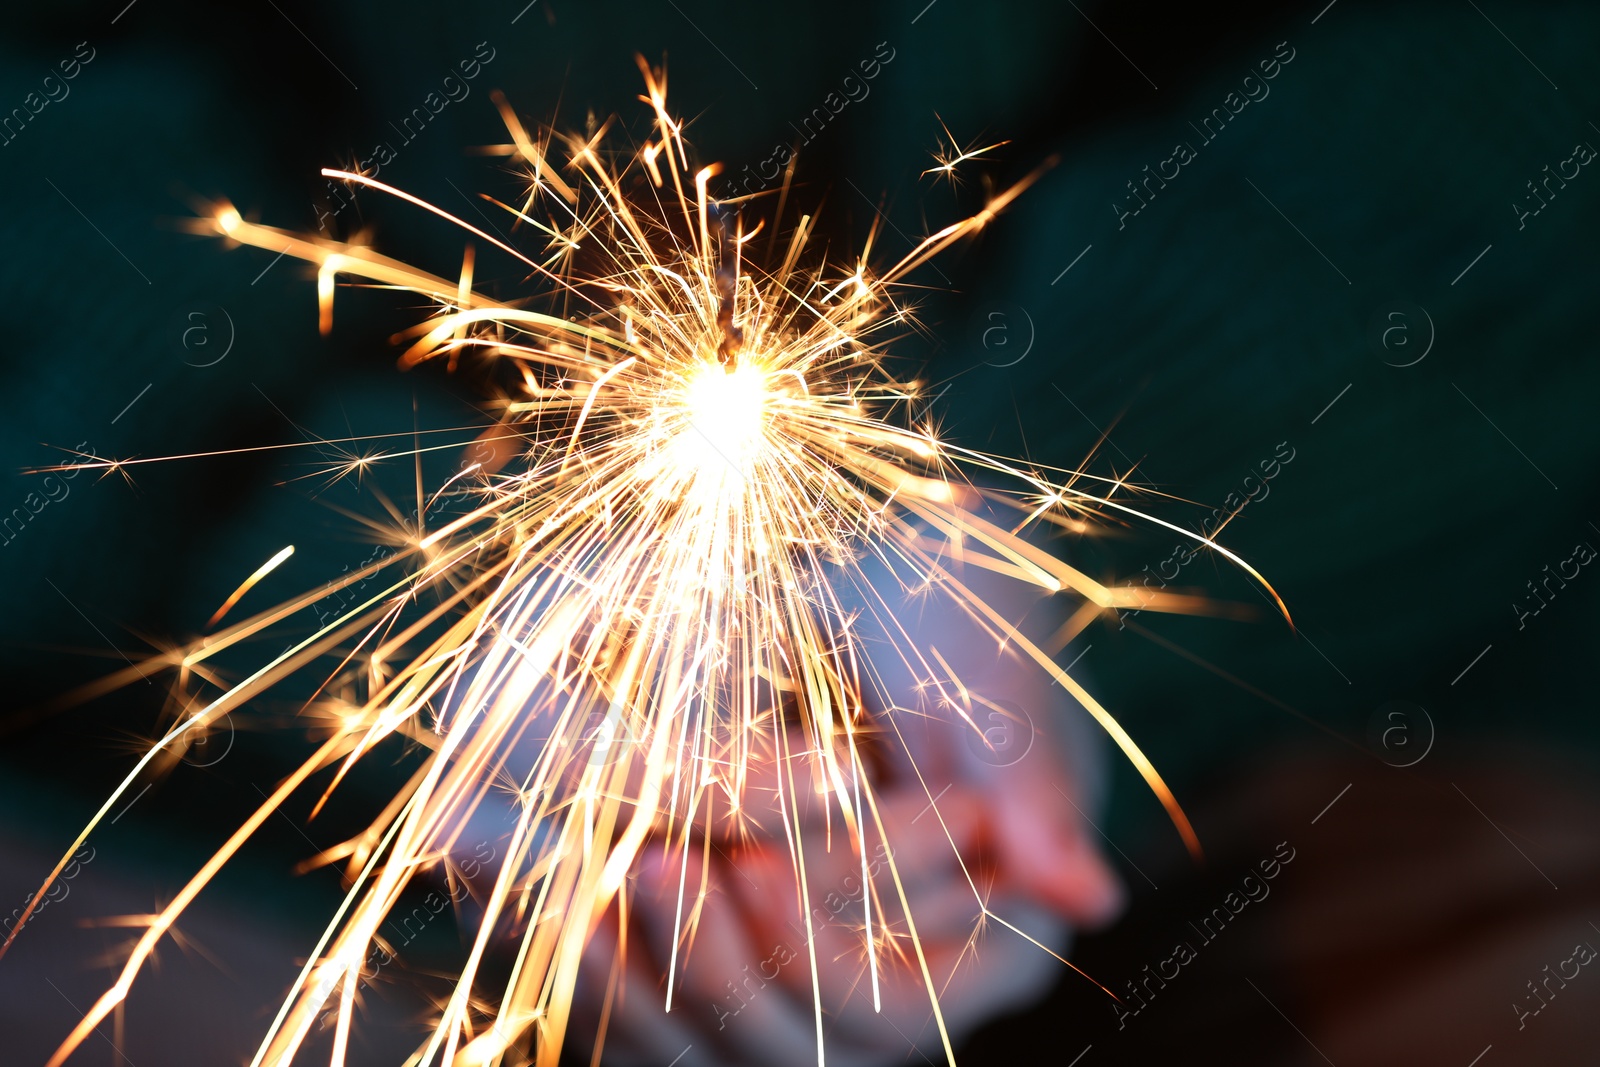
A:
(706, 452)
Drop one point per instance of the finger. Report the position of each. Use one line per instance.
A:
(1046, 852)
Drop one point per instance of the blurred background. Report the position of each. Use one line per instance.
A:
(1372, 272)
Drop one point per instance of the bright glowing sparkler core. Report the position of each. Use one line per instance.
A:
(726, 412)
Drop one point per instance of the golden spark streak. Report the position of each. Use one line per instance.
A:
(261, 572)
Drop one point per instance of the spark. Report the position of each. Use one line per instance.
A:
(698, 456)
(244, 587)
(949, 155)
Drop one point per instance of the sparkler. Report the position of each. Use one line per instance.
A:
(706, 452)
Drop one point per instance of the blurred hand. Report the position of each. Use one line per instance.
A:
(965, 824)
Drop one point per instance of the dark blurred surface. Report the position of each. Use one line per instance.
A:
(1248, 306)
